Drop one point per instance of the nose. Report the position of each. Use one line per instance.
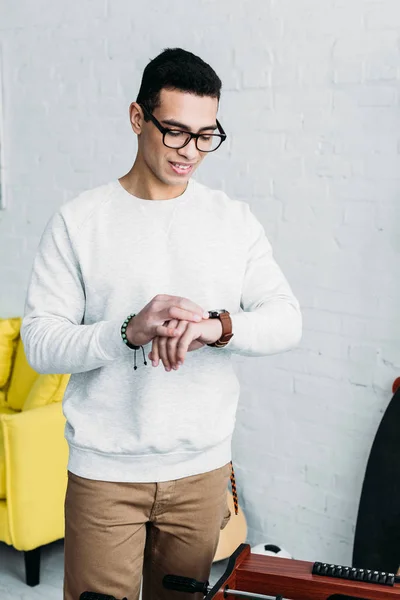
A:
(189, 151)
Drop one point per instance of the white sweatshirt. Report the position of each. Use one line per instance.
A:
(104, 255)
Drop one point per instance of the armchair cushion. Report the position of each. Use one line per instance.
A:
(46, 389)
(22, 379)
(2, 468)
(3, 400)
(4, 410)
(36, 473)
(4, 523)
(9, 333)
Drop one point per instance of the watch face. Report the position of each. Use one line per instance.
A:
(214, 313)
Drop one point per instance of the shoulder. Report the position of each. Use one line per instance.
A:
(236, 215)
(77, 211)
(220, 202)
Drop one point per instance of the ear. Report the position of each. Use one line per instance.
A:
(136, 117)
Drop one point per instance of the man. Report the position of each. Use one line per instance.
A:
(135, 262)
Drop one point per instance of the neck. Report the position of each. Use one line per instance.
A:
(142, 183)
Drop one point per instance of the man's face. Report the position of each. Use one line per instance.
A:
(180, 111)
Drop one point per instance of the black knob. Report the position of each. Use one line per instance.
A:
(360, 575)
(317, 568)
(185, 584)
(353, 573)
(345, 572)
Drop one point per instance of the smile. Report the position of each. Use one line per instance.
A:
(181, 168)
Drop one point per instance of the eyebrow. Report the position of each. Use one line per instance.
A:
(186, 127)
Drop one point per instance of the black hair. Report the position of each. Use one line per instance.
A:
(177, 69)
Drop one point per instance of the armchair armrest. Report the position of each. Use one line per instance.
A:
(36, 457)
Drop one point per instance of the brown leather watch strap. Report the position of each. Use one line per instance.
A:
(227, 334)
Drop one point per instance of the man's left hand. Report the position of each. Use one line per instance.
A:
(193, 336)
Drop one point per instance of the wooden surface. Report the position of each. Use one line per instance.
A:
(293, 579)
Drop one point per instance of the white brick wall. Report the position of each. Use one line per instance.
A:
(311, 105)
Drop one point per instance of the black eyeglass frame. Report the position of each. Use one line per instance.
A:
(164, 130)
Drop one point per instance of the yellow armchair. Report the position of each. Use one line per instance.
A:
(33, 452)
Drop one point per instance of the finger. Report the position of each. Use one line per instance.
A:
(182, 309)
(162, 346)
(155, 356)
(166, 331)
(183, 343)
(176, 312)
(172, 344)
(162, 352)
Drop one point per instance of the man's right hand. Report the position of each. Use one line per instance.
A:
(149, 323)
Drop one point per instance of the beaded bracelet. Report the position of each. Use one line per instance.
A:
(127, 342)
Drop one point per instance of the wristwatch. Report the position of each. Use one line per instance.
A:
(226, 321)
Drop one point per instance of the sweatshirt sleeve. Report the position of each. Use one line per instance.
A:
(55, 341)
(271, 321)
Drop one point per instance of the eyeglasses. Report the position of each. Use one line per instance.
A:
(176, 138)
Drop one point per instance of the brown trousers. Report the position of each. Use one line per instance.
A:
(117, 533)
